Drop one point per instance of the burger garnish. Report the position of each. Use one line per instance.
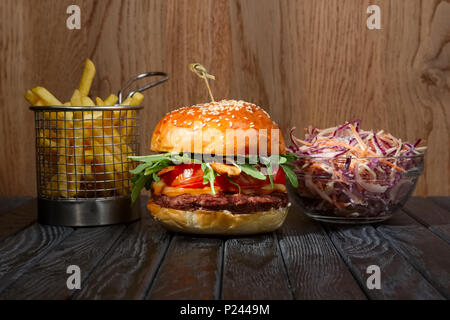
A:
(204, 182)
(192, 173)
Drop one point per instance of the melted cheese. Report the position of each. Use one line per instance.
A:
(266, 189)
(160, 187)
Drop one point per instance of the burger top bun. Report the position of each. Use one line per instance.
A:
(205, 128)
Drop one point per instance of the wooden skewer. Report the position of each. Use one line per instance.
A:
(201, 71)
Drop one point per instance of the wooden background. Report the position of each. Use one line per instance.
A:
(306, 62)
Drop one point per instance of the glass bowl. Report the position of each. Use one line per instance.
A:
(356, 190)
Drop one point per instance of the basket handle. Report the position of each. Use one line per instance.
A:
(164, 78)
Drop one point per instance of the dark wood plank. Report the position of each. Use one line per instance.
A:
(253, 269)
(47, 278)
(444, 202)
(17, 219)
(436, 218)
(362, 246)
(23, 250)
(191, 269)
(127, 271)
(315, 269)
(429, 254)
(10, 203)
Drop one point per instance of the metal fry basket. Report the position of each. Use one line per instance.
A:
(82, 163)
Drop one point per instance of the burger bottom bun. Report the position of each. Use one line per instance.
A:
(218, 222)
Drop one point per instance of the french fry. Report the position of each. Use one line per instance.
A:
(127, 102)
(129, 123)
(87, 102)
(87, 77)
(111, 163)
(51, 187)
(61, 183)
(46, 96)
(111, 100)
(137, 98)
(75, 100)
(46, 140)
(91, 115)
(99, 101)
(31, 97)
(50, 100)
(115, 146)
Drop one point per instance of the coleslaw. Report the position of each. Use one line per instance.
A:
(345, 171)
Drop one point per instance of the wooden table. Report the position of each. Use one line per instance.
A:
(302, 260)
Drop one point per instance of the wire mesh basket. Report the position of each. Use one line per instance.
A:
(82, 164)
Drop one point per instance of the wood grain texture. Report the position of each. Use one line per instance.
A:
(422, 249)
(443, 202)
(363, 246)
(306, 62)
(18, 219)
(253, 268)
(431, 215)
(128, 270)
(9, 203)
(22, 251)
(47, 279)
(315, 269)
(191, 270)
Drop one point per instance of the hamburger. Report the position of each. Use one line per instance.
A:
(218, 168)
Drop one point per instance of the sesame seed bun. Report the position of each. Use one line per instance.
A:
(205, 128)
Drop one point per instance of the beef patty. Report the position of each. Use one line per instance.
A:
(235, 203)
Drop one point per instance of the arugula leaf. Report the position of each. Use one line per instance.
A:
(289, 157)
(151, 158)
(146, 172)
(209, 175)
(155, 177)
(183, 159)
(267, 161)
(290, 174)
(252, 171)
(138, 184)
(270, 173)
(139, 168)
(234, 183)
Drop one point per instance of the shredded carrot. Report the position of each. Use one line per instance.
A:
(363, 153)
(304, 142)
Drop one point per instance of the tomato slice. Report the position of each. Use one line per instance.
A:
(191, 176)
(280, 177)
(184, 176)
